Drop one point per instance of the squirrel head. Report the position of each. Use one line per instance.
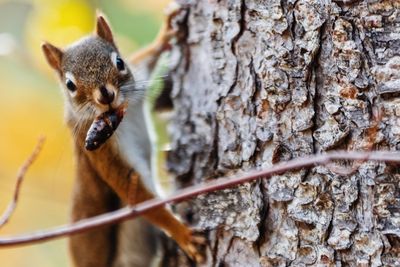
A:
(94, 76)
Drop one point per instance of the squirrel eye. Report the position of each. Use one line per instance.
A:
(70, 85)
(120, 64)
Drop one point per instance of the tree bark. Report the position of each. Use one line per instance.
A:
(260, 82)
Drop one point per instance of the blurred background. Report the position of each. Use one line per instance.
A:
(31, 105)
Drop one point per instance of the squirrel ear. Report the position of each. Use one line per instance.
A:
(103, 30)
(53, 55)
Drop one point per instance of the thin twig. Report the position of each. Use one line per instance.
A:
(192, 191)
(20, 178)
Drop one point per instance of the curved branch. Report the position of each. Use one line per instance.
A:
(192, 191)
(20, 177)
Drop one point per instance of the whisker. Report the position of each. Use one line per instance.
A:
(135, 99)
(142, 84)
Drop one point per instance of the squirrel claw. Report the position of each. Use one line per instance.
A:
(195, 246)
(171, 11)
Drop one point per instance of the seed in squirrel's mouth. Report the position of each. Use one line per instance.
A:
(103, 127)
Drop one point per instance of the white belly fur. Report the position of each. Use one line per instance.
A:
(136, 140)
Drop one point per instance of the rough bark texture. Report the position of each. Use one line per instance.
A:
(260, 82)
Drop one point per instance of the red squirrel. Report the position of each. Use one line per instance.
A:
(96, 79)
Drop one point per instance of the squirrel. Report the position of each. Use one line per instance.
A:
(96, 79)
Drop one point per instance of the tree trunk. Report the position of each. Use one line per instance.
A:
(261, 82)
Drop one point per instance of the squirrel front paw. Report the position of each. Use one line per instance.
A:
(193, 243)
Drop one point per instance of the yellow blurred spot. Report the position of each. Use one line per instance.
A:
(58, 22)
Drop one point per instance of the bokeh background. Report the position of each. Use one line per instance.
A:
(31, 105)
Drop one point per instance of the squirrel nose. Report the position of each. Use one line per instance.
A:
(106, 96)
